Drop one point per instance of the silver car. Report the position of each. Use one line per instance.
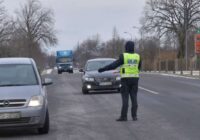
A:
(23, 99)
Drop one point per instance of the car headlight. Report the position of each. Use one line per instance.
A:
(59, 67)
(118, 78)
(36, 101)
(89, 79)
(71, 67)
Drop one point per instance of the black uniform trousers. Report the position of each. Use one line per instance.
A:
(129, 87)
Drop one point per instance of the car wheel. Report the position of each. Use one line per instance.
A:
(45, 128)
(59, 72)
(119, 90)
(71, 71)
(84, 91)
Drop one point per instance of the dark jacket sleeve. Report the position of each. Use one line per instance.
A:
(115, 64)
(118, 63)
(140, 65)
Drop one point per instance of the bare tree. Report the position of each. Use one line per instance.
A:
(2, 22)
(114, 47)
(36, 25)
(172, 16)
(6, 30)
(88, 49)
(5, 25)
(94, 48)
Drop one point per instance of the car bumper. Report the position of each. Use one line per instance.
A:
(96, 86)
(30, 117)
(66, 69)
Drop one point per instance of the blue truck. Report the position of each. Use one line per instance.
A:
(64, 61)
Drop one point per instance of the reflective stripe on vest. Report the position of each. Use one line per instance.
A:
(130, 66)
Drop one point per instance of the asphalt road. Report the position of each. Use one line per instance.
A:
(169, 109)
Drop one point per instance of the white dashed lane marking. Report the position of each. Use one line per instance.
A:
(150, 91)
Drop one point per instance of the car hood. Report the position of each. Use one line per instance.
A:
(19, 92)
(111, 73)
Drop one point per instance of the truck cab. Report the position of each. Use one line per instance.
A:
(64, 61)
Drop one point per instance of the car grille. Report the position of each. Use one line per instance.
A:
(64, 65)
(104, 79)
(12, 103)
(15, 121)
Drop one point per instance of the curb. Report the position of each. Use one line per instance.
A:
(174, 75)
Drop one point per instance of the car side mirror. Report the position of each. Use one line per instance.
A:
(47, 82)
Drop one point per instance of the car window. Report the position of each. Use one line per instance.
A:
(95, 65)
(17, 75)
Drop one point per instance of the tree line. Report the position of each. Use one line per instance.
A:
(93, 47)
(176, 18)
(28, 33)
(148, 47)
(167, 33)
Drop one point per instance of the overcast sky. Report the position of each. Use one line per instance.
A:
(77, 20)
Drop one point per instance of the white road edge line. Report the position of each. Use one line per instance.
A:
(179, 76)
(154, 92)
(172, 75)
(49, 71)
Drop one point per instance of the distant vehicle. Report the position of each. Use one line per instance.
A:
(64, 61)
(23, 99)
(92, 80)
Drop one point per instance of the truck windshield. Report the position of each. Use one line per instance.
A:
(95, 65)
(63, 60)
(17, 75)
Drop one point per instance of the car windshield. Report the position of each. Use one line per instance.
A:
(17, 75)
(95, 65)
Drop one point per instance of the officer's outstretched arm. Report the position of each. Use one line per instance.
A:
(113, 65)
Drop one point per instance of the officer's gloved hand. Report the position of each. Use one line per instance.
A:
(100, 70)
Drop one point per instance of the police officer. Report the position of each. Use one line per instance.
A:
(130, 63)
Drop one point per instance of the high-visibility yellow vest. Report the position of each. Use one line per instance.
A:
(130, 66)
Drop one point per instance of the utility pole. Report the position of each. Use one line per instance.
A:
(159, 67)
(186, 48)
(141, 40)
(186, 32)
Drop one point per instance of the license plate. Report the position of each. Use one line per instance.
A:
(5, 116)
(105, 83)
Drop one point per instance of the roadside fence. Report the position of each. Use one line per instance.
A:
(177, 66)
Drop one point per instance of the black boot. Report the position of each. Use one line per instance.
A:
(135, 118)
(121, 119)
